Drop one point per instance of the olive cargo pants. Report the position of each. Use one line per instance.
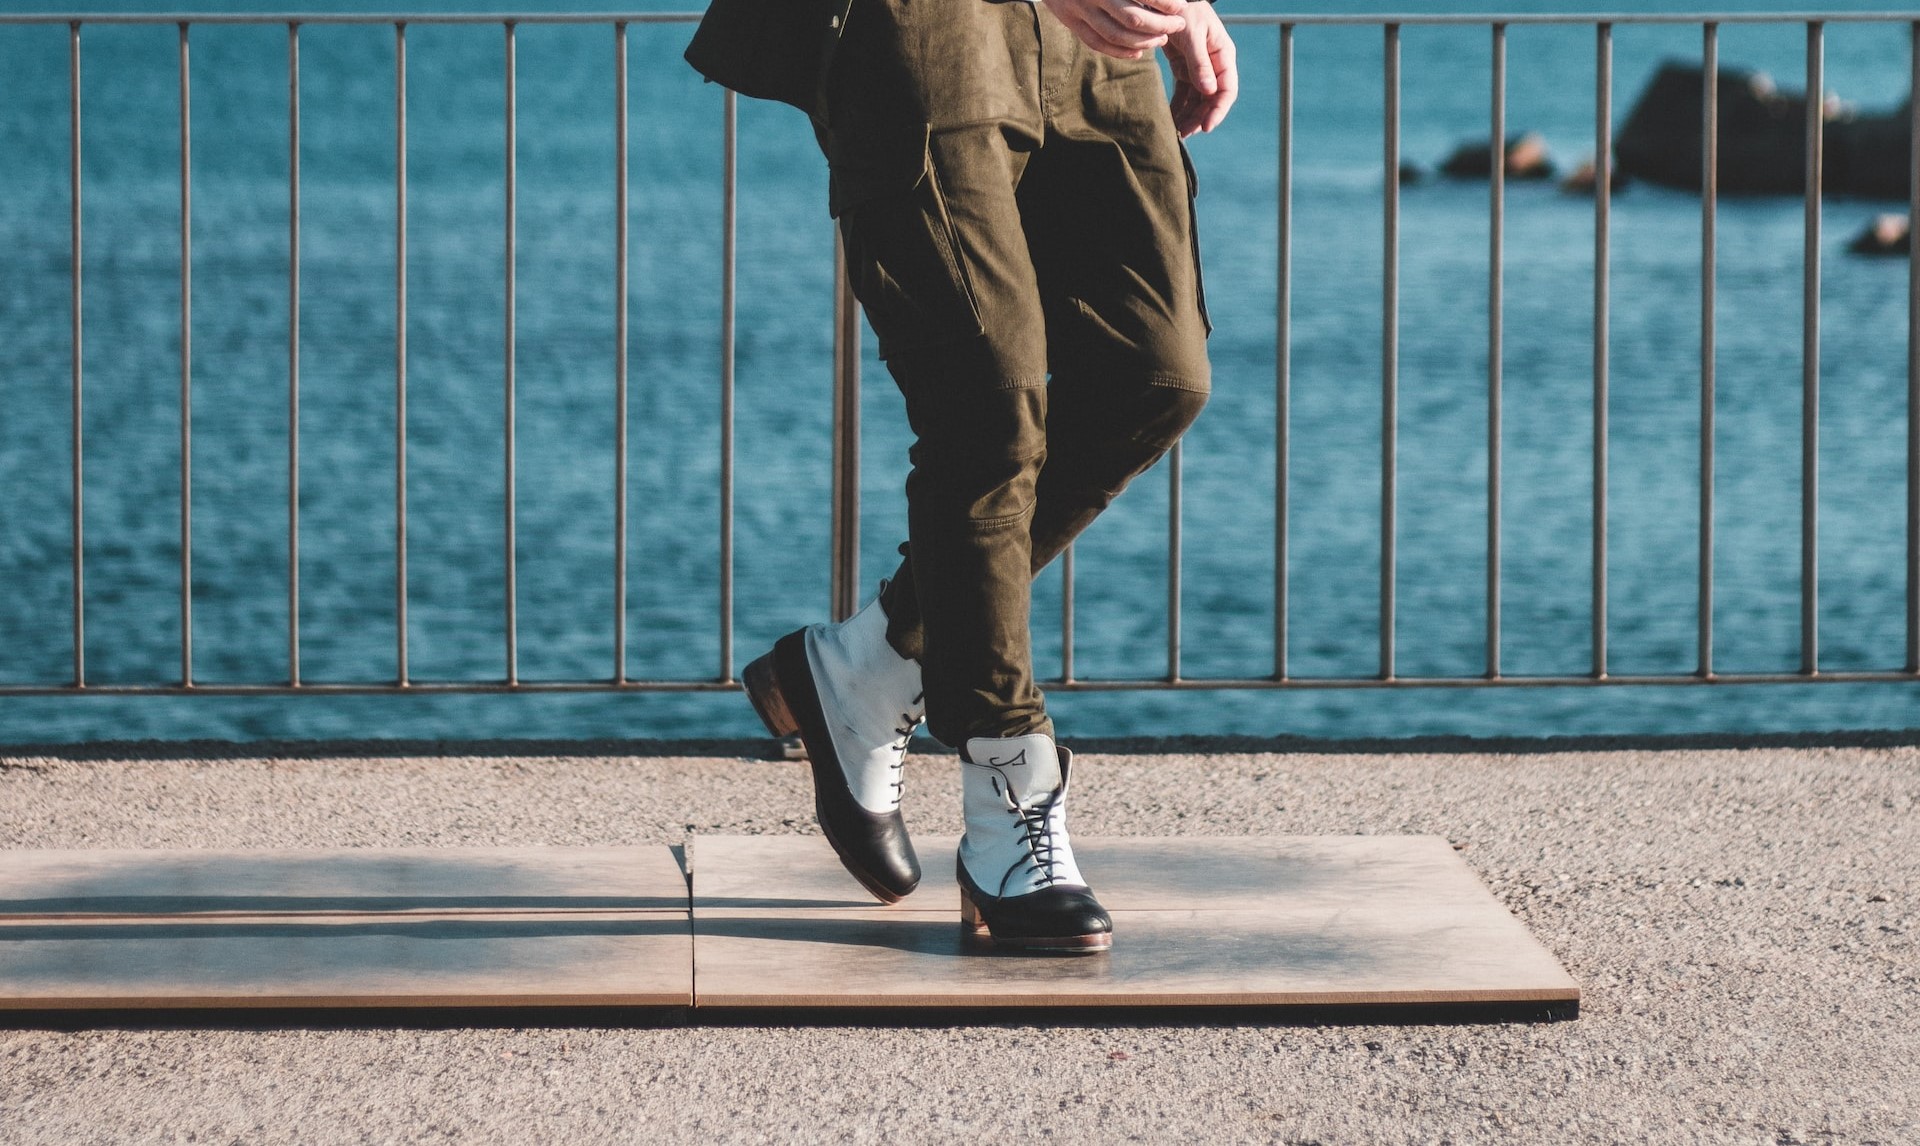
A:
(1017, 216)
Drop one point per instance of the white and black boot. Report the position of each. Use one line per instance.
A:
(1019, 885)
(854, 702)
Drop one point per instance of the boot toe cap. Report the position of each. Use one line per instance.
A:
(874, 847)
(1063, 911)
(1072, 910)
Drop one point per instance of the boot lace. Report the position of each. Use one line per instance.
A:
(904, 730)
(1036, 833)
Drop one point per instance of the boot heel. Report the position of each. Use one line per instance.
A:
(763, 689)
(970, 918)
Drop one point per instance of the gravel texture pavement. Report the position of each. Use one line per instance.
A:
(1743, 923)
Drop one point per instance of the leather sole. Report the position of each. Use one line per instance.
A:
(975, 929)
(780, 685)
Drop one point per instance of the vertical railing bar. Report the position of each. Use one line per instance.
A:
(1709, 291)
(1390, 353)
(186, 367)
(1496, 321)
(1913, 362)
(728, 222)
(1174, 492)
(1810, 358)
(1066, 614)
(1283, 363)
(293, 353)
(1602, 308)
(620, 263)
(75, 443)
(844, 587)
(401, 626)
(512, 524)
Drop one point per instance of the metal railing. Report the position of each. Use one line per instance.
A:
(845, 578)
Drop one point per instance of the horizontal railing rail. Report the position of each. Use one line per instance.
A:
(1305, 19)
(846, 361)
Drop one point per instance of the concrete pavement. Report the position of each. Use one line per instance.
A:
(1743, 922)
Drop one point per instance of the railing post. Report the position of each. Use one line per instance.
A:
(1602, 320)
(186, 367)
(1390, 354)
(1066, 615)
(1709, 247)
(845, 580)
(729, 250)
(1810, 358)
(293, 354)
(1913, 361)
(401, 629)
(1175, 500)
(76, 431)
(1283, 362)
(1496, 318)
(620, 268)
(511, 244)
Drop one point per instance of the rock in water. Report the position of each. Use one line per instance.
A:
(1526, 158)
(1763, 138)
(1583, 179)
(1762, 132)
(1869, 155)
(1886, 235)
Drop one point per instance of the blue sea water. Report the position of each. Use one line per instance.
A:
(565, 359)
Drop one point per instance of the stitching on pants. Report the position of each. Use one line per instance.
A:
(1179, 382)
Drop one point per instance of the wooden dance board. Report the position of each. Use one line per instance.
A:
(351, 927)
(1303, 921)
(773, 922)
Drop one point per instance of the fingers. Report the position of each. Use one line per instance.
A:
(1122, 28)
(1207, 78)
(1221, 58)
(1118, 39)
(1200, 67)
(1216, 111)
(1087, 35)
(1145, 20)
(1189, 52)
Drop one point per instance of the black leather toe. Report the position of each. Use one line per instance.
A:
(1063, 912)
(872, 846)
(1060, 911)
(875, 848)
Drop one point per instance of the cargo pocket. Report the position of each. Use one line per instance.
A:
(1193, 236)
(904, 255)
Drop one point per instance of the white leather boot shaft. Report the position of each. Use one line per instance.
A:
(1015, 794)
(870, 696)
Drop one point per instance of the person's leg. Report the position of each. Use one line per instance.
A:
(1107, 210)
(978, 409)
(1114, 247)
(977, 404)
(938, 239)
(924, 160)
(1106, 214)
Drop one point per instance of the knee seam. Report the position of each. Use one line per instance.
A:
(1179, 382)
(1017, 517)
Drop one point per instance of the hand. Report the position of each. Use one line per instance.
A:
(1205, 79)
(1125, 29)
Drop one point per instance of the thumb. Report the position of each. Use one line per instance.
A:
(1168, 7)
(1200, 65)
